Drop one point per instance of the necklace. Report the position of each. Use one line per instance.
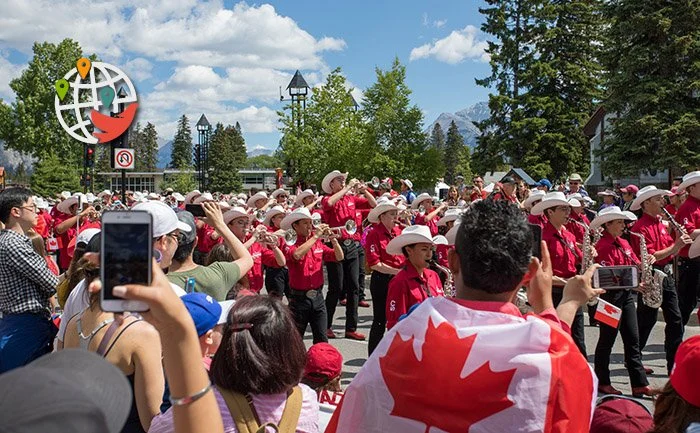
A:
(94, 331)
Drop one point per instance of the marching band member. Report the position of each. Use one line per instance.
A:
(447, 222)
(661, 245)
(430, 217)
(276, 276)
(280, 195)
(578, 221)
(259, 202)
(535, 197)
(207, 237)
(688, 216)
(609, 197)
(675, 199)
(305, 261)
(384, 265)
(338, 208)
(564, 253)
(613, 250)
(415, 282)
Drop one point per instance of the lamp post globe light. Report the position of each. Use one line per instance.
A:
(201, 152)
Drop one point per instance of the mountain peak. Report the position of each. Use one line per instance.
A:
(465, 120)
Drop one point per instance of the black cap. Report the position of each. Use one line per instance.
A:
(507, 179)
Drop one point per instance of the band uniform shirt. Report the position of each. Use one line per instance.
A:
(26, 283)
(432, 224)
(344, 209)
(408, 288)
(64, 238)
(378, 238)
(578, 231)
(262, 256)
(655, 234)
(688, 215)
(538, 220)
(441, 252)
(307, 272)
(564, 252)
(671, 209)
(615, 251)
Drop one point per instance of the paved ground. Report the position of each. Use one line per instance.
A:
(355, 352)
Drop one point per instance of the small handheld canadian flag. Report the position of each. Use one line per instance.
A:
(607, 313)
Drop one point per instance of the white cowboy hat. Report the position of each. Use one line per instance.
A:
(611, 213)
(450, 215)
(177, 196)
(440, 240)
(409, 236)
(275, 210)
(326, 184)
(550, 200)
(203, 197)
(451, 234)
(255, 197)
(689, 179)
(153, 196)
(535, 195)
(277, 192)
(302, 195)
(191, 196)
(90, 197)
(224, 206)
(40, 203)
(408, 183)
(104, 193)
(645, 194)
(65, 205)
(292, 217)
(420, 199)
(383, 205)
(574, 202)
(65, 195)
(233, 213)
(694, 250)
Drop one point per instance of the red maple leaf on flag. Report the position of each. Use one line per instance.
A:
(431, 390)
(609, 309)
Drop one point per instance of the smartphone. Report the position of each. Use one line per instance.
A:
(615, 277)
(126, 254)
(536, 240)
(195, 209)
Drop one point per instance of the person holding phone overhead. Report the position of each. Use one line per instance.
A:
(564, 253)
(613, 250)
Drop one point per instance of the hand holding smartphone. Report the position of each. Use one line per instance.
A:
(536, 240)
(616, 277)
(195, 209)
(126, 256)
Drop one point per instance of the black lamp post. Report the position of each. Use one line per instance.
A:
(202, 152)
(123, 142)
(298, 90)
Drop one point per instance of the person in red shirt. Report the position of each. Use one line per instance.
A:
(276, 277)
(305, 261)
(661, 245)
(66, 222)
(384, 265)
(507, 190)
(613, 250)
(447, 222)
(675, 200)
(565, 254)
(535, 197)
(688, 215)
(340, 206)
(415, 282)
(478, 192)
(578, 221)
(430, 215)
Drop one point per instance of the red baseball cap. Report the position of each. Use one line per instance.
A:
(621, 415)
(631, 189)
(323, 361)
(674, 191)
(684, 376)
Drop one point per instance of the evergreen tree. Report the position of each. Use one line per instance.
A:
(653, 89)
(147, 153)
(136, 142)
(181, 156)
(456, 155)
(52, 176)
(227, 155)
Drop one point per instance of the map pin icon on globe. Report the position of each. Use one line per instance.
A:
(83, 66)
(106, 96)
(61, 88)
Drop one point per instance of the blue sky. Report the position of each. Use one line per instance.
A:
(227, 59)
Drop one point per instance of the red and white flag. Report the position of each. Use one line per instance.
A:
(607, 313)
(448, 368)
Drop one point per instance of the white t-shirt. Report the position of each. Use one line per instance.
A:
(77, 302)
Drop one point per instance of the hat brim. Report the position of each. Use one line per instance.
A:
(378, 210)
(190, 197)
(251, 201)
(600, 220)
(528, 201)
(290, 219)
(300, 198)
(233, 214)
(691, 181)
(271, 214)
(447, 218)
(327, 179)
(65, 205)
(415, 204)
(395, 245)
(451, 234)
(637, 203)
(540, 207)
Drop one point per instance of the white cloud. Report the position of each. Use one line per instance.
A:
(439, 23)
(455, 48)
(138, 69)
(8, 72)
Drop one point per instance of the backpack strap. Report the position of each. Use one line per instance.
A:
(292, 411)
(246, 420)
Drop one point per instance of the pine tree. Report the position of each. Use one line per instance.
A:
(181, 156)
(52, 176)
(456, 155)
(653, 89)
(227, 155)
(147, 151)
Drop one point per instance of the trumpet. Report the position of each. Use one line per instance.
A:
(350, 227)
(315, 220)
(259, 215)
(290, 237)
(374, 182)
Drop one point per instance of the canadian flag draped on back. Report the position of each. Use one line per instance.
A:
(453, 369)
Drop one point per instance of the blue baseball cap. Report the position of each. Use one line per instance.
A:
(544, 182)
(205, 311)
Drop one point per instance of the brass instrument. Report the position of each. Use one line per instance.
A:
(259, 215)
(448, 285)
(350, 227)
(315, 220)
(651, 280)
(290, 237)
(374, 182)
(588, 248)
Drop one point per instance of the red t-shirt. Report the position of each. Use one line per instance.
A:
(307, 272)
(375, 246)
(64, 238)
(343, 210)
(441, 251)
(615, 252)
(538, 220)
(407, 288)
(655, 234)
(688, 215)
(671, 209)
(562, 250)
(205, 242)
(476, 196)
(432, 224)
(262, 256)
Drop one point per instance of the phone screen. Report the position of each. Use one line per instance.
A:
(195, 209)
(536, 240)
(126, 255)
(616, 277)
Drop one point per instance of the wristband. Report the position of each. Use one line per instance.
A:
(190, 398)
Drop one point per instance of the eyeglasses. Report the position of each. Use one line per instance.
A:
(32, 208)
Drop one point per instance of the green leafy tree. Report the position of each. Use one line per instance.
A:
(52, 176)
(393, 131)
(182, 182)
(653, 87)
(31, 125)
(456, 155)
(145, 143)
(181, 156)
(263, 161)
(227, 155)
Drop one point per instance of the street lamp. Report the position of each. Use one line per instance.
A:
(202, 152)
(298, 89)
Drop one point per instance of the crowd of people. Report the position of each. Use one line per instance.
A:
(473, 325)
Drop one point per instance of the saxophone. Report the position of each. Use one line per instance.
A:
(588, 248)
(651, 295)
(448, 284)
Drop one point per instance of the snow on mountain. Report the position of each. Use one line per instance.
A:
(259, 150)
(10, 159)
(465, 120)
